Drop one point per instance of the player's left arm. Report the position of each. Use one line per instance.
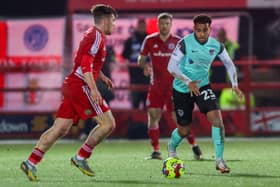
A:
(231, 70)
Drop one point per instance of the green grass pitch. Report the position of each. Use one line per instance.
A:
(253, 162)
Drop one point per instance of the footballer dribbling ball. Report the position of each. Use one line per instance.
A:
(173, 168)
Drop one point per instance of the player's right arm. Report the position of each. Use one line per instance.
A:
(86, 66)
(145, 66)
(174, 62)
(141, 61)
(96, 96)
(173, 68)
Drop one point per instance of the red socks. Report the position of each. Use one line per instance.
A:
(154, 138)
(36, 156)
(191, 138)
(85, 151)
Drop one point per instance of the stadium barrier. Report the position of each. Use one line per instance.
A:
(259, 77)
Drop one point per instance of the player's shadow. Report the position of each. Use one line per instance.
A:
(211, 160)
(254, 175)
(238, 175)
(140, 182)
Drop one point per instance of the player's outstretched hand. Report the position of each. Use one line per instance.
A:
(238, 92)
(193, 86)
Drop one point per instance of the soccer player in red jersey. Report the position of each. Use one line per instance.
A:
(81, 98)
(159, 47)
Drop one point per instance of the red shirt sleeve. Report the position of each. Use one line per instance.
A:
(87, 63)
(91, 49)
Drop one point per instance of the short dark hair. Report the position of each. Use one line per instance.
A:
(202, 19)
(100, 10)
(164, 15)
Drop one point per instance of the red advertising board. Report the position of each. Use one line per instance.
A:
(3, 56)
(144, 5)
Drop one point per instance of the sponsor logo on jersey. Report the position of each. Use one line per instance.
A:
(88, 112)
(161, 54)
(155, 46)
(191, 61)
(35, 37)
(211, 51)
(171, 46)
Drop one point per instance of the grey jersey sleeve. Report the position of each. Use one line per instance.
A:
(174, 62)
(231, 70)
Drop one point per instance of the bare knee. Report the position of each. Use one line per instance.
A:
(111, 125)
(217, 123)
(154, 116)
(184, 130)
(106, 121)
(108, 124)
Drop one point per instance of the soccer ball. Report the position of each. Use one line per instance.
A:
(173, 168)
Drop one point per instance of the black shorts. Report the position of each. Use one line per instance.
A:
(184, 104)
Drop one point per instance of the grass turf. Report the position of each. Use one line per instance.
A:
(121, 164)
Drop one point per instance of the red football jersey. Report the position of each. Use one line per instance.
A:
(90, 55)
(77, 101)
(159, 52)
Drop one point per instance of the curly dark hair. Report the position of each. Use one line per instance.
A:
(202, 19)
